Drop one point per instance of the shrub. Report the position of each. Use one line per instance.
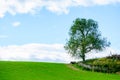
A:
(114, 57)
(72, 62)
(109, 64)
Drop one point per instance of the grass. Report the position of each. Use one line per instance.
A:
(48, 71)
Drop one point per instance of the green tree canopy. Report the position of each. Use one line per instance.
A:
(84, 37)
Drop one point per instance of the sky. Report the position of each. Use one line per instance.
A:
(37, 30)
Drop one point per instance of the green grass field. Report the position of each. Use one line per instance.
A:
(48, 71)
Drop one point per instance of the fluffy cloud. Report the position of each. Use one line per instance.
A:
(106, 52)
(43, 52)
(57, 6)
(35, 52)
(16, 24)
(105, 2)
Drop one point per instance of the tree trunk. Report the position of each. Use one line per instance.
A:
(83, 53)
(83, 57)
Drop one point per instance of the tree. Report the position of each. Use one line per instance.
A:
(84, 37)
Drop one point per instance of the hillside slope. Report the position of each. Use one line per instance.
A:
(47, 71)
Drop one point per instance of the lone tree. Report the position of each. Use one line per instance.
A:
(84, 37)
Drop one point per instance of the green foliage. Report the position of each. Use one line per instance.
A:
(84, 37)
(109, 64)
(114, 57)
(47, 71)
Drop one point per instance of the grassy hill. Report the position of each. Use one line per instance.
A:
(48, 71)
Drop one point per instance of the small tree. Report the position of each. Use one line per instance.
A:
(84, 37)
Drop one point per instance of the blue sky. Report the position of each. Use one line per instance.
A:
(47, 22)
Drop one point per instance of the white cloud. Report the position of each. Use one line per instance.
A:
(107, 52)
(16, 24)
(105, 2)
(43, 52)
(35, 52)
(57, 6)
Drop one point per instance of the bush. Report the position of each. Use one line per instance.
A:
(114, 57)
(109, 64)
(72, 62)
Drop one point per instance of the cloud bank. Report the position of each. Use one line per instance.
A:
(56, 6)
(43, 53)
(35, 52)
